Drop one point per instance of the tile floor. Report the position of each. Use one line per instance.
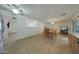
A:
(38, 45)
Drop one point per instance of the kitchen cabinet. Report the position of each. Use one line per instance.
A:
(73, 43)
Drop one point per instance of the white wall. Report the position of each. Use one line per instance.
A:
(24, 30)
(12, 28)
(8, 18)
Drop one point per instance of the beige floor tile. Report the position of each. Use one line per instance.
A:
(39, 45)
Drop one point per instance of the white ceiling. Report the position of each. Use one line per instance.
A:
(46, 12)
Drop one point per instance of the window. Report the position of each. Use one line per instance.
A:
(76, 25)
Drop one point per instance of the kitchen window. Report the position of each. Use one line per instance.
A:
(76, 25)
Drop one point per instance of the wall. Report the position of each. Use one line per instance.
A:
(12, 28)
(5, 34)
(24, 27)
(7, 15)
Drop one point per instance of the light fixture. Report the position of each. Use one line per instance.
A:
(15, 11)
(52, 22)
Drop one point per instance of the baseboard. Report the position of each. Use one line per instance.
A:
(12, 33)
(30, 36)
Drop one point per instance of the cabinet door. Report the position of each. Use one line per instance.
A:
(76, 49)
(72, 42)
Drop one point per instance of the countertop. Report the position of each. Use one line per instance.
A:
(75, 34)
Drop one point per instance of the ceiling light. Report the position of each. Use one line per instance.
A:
(52, 22)
(15, 11)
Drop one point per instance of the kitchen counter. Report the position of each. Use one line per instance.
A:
(74, 42)
(75, 34)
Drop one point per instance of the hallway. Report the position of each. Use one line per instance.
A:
(36, 44)
(38, 29)
(35, 28)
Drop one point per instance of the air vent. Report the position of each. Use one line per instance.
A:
(8, 5)
(15, 6)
